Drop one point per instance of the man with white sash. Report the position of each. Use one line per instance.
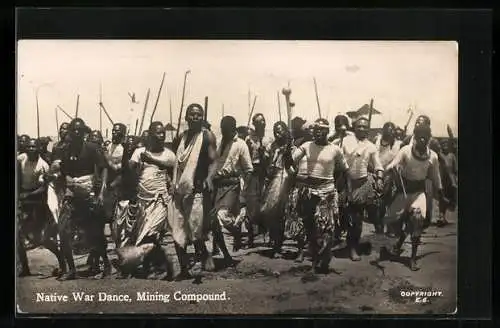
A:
(195, 150)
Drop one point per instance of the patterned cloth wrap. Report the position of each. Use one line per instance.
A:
(320, 220)
(294, 224)
(364, 191)
(125, 217)
(152, 214)
(34, 220)
(226, 202)
(80, 187)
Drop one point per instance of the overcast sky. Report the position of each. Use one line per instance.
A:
(348, 74)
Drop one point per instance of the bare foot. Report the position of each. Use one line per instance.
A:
(208, 264)
(413, 265)
(354, 255)
(67, 276)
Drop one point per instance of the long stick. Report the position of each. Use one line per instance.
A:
(107, 114)
(408, 121)
(222, 110)
(106, 133)
(144, 111)
(77, 103)
(136, 124)
(171, 120)
(370, 114)
(182, 104)
(251, 110)
(100, 109)
(249, 102)
(158, 97)
(279, 104)
(317, 97)
(65, 113)
(57, 122)
(206, 108)
(37, 117)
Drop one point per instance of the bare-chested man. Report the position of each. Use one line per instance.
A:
(257, 143)
(114, 156)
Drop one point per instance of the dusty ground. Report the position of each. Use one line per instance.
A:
(260, 285)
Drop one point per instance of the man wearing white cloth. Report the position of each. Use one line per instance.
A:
(36, 222)
(411, 167)
(151, 164)
(195, 150)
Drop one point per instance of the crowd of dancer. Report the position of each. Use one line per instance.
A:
(306, 182)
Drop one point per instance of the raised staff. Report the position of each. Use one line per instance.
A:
(251, 110)
(182, 104)
(279, 104)
(77, 105)
(287, 92)
(157, 97)
(144, 111)
(64, 112)
(317, 97)
(370, 114)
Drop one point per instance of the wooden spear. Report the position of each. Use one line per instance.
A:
(408, 121)
(249, 102)
(136, 124)
(251, 110)
(157, 97)
(279, 103)
(57, 122)
(317, 97)
(77, 103)
(107, 114)
(222, 110)
(370, 114)
(65, 113)
(206, 108)
(182, 104)
(144, 111)
(37, 116)
(100, 109)
(171, 120)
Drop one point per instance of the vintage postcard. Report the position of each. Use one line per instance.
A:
(236, 177)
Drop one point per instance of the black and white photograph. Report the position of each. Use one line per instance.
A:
(236, 177)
